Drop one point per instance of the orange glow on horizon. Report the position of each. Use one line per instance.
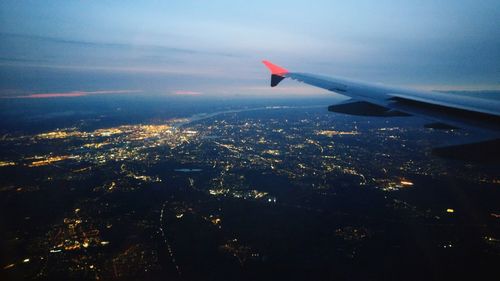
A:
(73, 94)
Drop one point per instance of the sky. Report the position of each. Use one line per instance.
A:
(215, 48)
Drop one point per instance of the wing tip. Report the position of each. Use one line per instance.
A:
(275, 69)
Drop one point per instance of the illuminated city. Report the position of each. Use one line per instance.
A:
(249, 140)
(162, 199)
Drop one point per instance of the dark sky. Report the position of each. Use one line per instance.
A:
(215, 47)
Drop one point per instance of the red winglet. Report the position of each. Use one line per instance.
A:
(275, 70)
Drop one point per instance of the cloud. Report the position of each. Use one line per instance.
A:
(187, 93)
(72, 94)
(113, 45)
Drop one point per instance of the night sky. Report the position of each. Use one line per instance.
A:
(215, 48)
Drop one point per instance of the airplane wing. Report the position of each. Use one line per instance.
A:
(449, 110)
